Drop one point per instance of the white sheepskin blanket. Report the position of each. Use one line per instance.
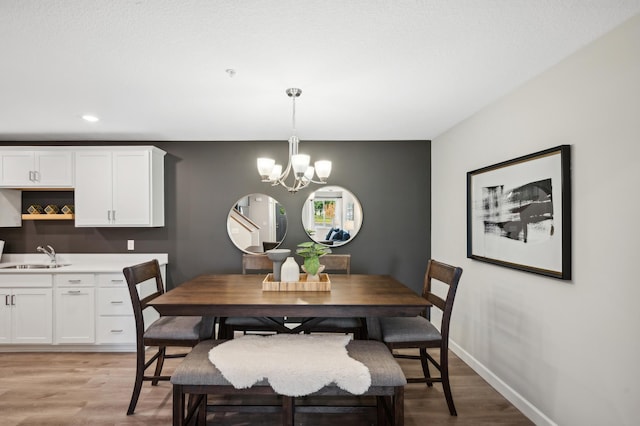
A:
(294, 364)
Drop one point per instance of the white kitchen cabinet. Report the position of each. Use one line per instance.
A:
(119, 187)
(74, 308)
(82, 306)
(116, 323)
(21, 168)
(26, 304)
(10, 208)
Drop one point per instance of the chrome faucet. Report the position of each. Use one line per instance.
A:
(51, 253)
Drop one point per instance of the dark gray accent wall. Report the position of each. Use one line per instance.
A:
(203, 180)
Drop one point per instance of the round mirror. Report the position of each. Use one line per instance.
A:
(332, 216)
(257, 223)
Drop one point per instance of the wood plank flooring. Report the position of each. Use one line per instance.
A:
(94, 389)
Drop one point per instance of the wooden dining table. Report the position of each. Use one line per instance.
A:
(233, 295)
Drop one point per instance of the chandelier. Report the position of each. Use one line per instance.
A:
(299, 164)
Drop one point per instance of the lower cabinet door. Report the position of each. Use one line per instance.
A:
(5, 315)
(32, 315)
(75, 315)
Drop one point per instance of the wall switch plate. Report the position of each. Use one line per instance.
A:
(130, 244)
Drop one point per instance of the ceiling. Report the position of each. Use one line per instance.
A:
(155, 70)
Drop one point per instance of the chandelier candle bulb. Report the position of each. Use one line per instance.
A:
(275, 173)
(265, 166)
(308, 175)
(300, 163)
(323, 169)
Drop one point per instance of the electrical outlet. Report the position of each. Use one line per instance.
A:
(130, 244)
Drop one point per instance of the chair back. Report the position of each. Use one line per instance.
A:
(268, 245)
(340, 263)
(450, 276)
(136, 275)
(256, 263)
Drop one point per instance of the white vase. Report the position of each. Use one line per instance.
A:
(290, 271)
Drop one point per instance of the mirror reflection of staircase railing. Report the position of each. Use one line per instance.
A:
(246, 233)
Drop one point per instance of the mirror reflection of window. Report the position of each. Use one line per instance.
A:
(257, 223)
(324, 212)
(332, 216)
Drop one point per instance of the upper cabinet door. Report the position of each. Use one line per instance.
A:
(44, 169)
(131, 188)
(17, 168)
(120, 188)
(54, 169)
(93, 194)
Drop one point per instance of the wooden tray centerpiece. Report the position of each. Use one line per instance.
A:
(301, 285)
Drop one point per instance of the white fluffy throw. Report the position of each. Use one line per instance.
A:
(294, 364)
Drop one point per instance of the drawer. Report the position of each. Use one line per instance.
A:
(114, 301)
(72, 280)
(116, 329)
(116, 279)
(26, 280)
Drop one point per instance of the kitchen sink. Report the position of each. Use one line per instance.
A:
(35, 266)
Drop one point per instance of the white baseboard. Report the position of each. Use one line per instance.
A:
(528, 409)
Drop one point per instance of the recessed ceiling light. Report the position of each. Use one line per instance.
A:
(90, 118)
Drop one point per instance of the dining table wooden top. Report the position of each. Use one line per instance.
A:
(242, 295)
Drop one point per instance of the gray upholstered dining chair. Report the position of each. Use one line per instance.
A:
(340, 263)
(181, 331)
(251, 264)
(420, 333)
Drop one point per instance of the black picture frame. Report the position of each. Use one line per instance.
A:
(519, 213)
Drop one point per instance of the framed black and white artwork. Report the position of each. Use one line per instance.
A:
(519, 213)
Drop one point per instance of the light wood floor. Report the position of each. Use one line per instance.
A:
(95, 388)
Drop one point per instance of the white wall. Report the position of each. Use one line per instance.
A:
(565, 352)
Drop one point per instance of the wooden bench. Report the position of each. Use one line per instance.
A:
(197, 377)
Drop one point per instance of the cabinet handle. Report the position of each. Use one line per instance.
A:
(114, 215)
(13, 300)
(73, 292)
(117, 331)
(31, 175)
(117, 281)
(36, 176)
(108, 215)
(116, 302)
(6, 300)
(74, 281)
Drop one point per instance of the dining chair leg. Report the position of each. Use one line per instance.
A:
(162, 350)
(424, 360)
(446, 386)
(137, 386)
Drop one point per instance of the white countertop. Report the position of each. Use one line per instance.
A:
(78, 262)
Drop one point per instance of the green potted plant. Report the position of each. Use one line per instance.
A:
(311, 253)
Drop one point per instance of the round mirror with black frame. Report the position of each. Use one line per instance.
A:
(332, 216)
(257, 223)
